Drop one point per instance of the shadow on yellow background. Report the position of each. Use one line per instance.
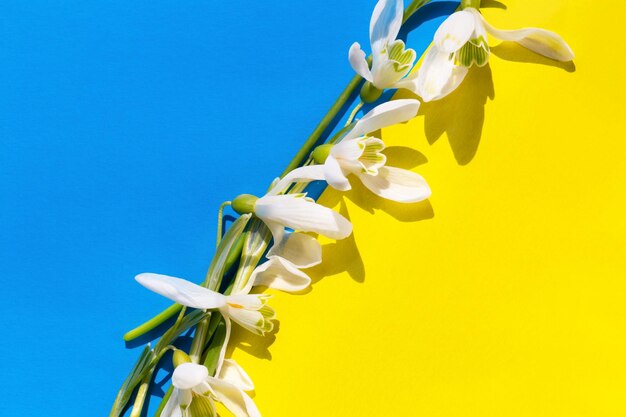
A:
(504, 294)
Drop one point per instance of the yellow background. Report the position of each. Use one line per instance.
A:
(505, 293)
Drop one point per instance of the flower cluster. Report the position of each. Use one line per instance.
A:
(285, 216)
(459, 43)
(358, 153)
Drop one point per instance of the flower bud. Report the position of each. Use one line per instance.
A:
(244, 203)
(180, 357)
(320, 153)
(369, 93)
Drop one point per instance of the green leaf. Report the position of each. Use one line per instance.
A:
(131, 382)
(219, 264)
(164, 401)
(215, 346)
(257, 238)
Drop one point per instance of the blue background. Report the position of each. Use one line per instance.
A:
(123, 126)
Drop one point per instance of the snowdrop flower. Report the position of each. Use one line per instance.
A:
(360, 154)
(248, 310)
(282, 269)
(461, 41)
(195, 391)
(295, 211)
(391, 62)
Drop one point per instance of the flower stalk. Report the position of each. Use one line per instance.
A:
(474, 4)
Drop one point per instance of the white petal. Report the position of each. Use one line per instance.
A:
(541, 41)
(347, 150)
(385, 23)
(438, 76)
(280, 274)
(204, 388)
(333, 174)
(188, 375)
(172, 407)
(300, 214)
(384, 115)
(248, 301)
(248, 319)
(455, 31)
(185, 396)
(359, 62)
(181, 291)
(302, 250)
(235, 400)
(277, 229)
(233, 373)
(220, 359)
(397, 184)
(302, 174)
(408, 82)
(250, 312)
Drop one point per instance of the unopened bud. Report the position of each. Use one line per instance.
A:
(244, 203)
(369, 93)
(180, 357)
(320, 153)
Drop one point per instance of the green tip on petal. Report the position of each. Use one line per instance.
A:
(179, 357)
(369, 93)
(476, 51)
(244, 203)
(320, 153)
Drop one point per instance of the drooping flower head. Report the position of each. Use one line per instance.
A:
(461, 42)
(359, 153)
(282, 271)
(391, 60)
(250, 311)
(294, 211)
(195, 391)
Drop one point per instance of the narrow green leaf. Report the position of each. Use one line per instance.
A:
(215, 347)
(131, 382)
(164, 401)
(218, 266)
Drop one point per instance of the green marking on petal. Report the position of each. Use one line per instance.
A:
(402, 58)
(268, 326)
(476, 51)
(372, 159)
(202, 407)
(267, 312)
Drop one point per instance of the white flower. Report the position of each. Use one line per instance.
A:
(390, 60)
(461, 41)
(282, 269)
(360, 155)
(195, 391)
(248, 310)
(296, 212)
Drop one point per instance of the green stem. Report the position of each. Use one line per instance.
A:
(470, 3)
(153, 323)
(323, 125)
(199, 339)
(353, 114)
(412, 8)
(164, 401)
(141, 396)
(220, 216)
